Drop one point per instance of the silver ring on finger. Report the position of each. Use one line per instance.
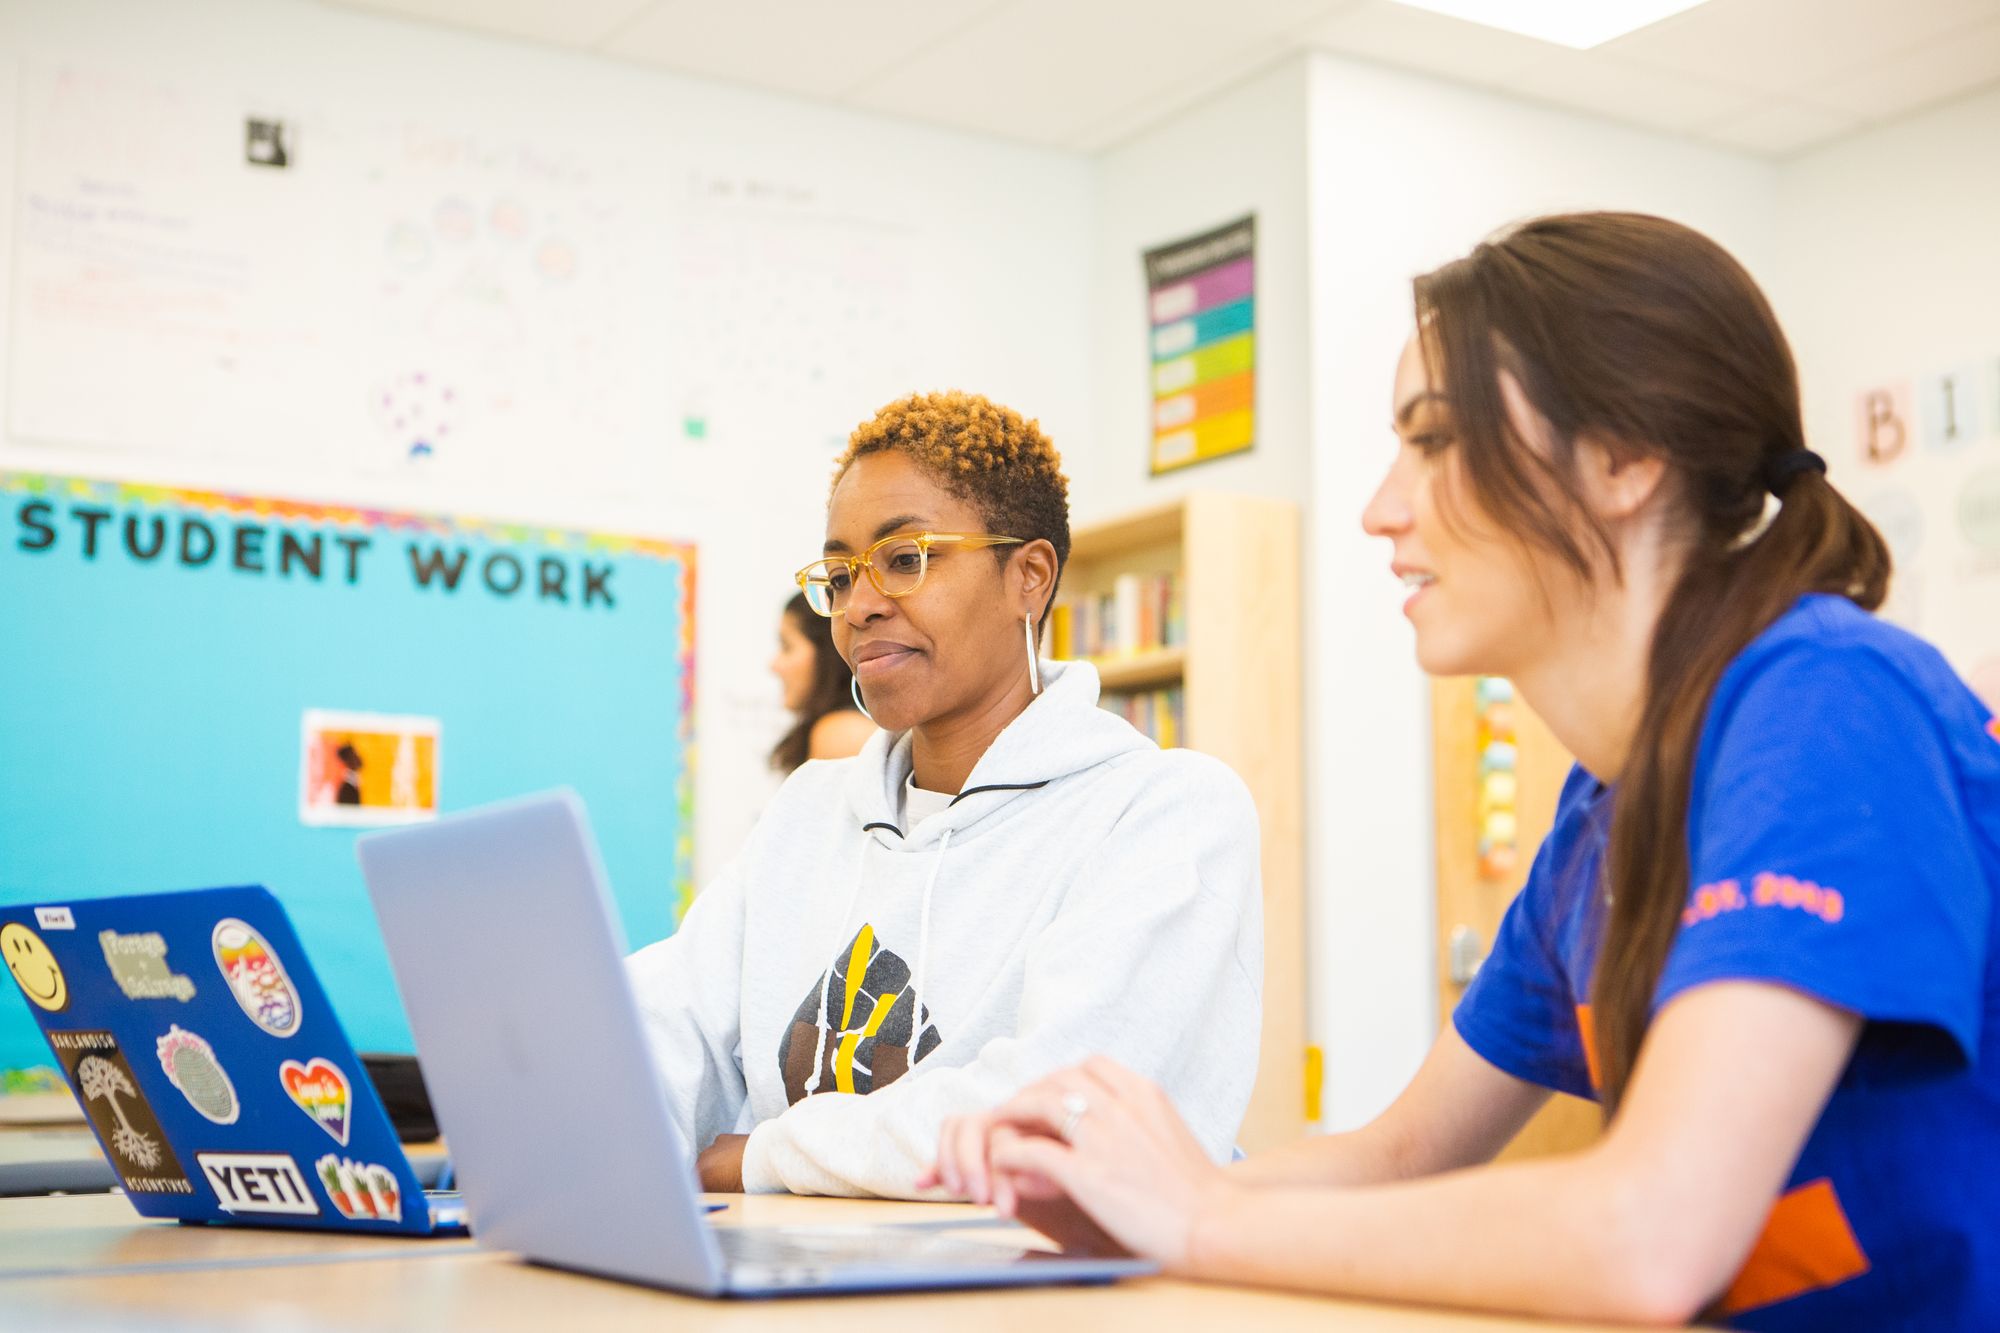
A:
(1075, 1107)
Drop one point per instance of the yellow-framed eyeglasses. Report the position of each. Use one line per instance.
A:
(896, 566)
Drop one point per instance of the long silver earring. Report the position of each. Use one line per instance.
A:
(1034, 664)
(854, 688)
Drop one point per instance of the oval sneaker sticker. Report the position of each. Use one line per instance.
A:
(33, 966)
(320, 1090)
(256, 977)
(192, 1067)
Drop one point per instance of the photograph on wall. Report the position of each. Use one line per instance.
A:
(363, 769)
(1202, 308)
(1928, 477)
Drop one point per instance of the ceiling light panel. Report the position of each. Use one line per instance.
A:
(1578, 23)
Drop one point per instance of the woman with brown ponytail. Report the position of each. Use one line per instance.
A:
(818, 689)
(1763, 928)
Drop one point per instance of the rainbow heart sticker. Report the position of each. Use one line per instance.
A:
(320, 1090)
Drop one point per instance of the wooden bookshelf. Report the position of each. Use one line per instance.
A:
(1237, 559)
(1470, 899)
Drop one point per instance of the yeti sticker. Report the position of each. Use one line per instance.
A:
(257, 1182)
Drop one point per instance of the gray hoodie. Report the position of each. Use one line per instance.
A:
(1086, 893)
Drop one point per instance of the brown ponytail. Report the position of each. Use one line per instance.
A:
(1649, 338)
(831, 682)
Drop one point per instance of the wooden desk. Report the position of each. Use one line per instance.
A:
(363, 1282)
(99, 1234)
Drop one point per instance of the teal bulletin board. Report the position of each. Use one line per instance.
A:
(162, 646)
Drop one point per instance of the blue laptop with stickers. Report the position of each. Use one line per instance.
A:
(217, 1079)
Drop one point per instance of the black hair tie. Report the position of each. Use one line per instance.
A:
(1778, 473)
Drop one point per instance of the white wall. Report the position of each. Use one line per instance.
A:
(1242, 151)
(1407, 173)
(1361, 177)
(1876, 251)
(990, 239)
(1890, 273)
(1024, 282)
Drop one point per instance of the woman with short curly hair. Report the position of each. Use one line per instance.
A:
(1003, 881)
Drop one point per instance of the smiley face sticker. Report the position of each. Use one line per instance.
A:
(33, 966)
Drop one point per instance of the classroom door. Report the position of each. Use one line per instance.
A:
(1497, 772)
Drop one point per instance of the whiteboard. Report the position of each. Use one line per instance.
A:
(166, 293)
(402, 297)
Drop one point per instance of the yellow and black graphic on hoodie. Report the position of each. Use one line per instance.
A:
(865, 1024)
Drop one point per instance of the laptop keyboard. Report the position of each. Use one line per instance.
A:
(447, 1209)
(779, 1252)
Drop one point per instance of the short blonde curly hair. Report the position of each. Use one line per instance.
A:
(981, 452)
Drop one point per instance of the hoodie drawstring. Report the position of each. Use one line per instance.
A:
(825, 1022)
(924, 951)
(826, 986)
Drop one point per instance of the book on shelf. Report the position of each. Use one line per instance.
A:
(1141, 613)
(1160, 714)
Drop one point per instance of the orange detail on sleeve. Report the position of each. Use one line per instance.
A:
(1807, 1245)
(1586, 1028)
(1993, 728)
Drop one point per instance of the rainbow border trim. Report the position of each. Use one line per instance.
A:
(131, 492)
(490, 530)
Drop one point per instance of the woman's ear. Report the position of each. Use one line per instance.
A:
(1034, 573)
(1617, 482)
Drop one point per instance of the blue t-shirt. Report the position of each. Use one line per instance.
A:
(1844, 841)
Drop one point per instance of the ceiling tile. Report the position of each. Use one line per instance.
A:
(1935, 72)
(1431, 43)
(569, 23)
(1592, 81)
(1158, 106)
(810, 50)
(1768, 75)
(1778, 128)
(1050, 70)
(1784, 46)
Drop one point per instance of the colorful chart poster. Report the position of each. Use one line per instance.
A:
(1202, 299)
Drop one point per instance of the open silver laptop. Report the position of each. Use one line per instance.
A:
(510, 961)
